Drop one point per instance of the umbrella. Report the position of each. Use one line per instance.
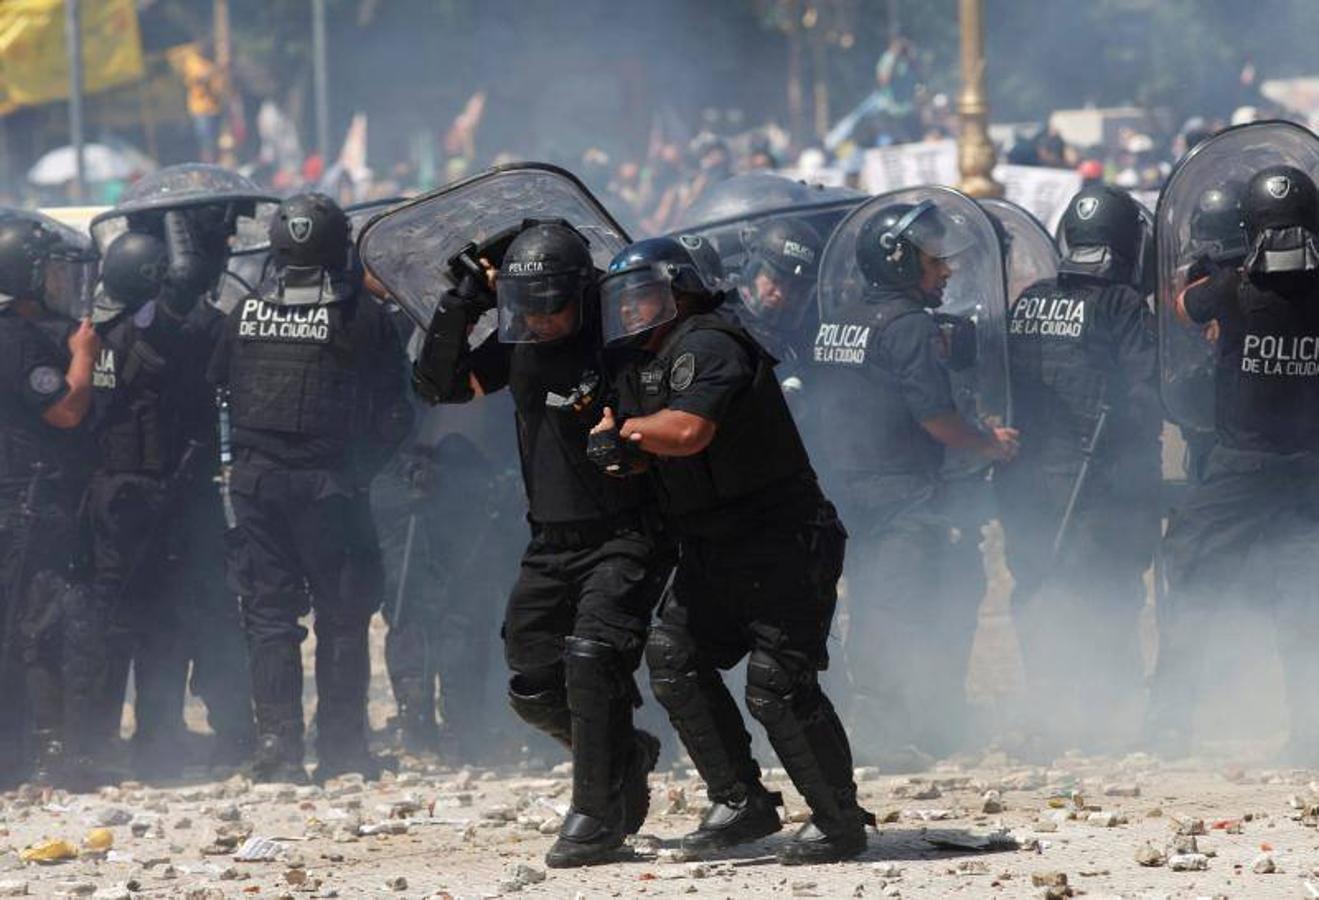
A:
(101, 162)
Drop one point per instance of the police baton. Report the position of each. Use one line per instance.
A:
(403, 570)
(1087, 456)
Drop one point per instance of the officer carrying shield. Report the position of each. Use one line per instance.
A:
(1079, 504)
(315, 381)
(889, 414)
(760, 549)
(575, 624)
(45, 394)
(1249, 527)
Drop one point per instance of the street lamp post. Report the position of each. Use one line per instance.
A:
(975, 151)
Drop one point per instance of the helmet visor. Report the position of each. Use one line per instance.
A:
(538, 310)
(70, 279)
(635, 301)
(941, 234)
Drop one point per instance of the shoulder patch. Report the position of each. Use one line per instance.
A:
(682, 372)
(45, 380)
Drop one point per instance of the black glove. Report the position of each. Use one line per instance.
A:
(472, 295)
(609, 452)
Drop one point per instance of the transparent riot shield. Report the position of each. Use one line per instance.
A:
(975, 291)
(1231, 157)
(233, 202)
(730, 211)
(412, 249)
(1030, 255)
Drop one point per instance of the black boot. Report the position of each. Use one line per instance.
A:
(603, 747)
(277, 696)
(810, 741)
(636, 780)
(278, 760)
(342, 676)
(739, 821)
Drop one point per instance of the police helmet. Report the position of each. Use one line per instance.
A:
(1104, 235)
(25, 247)
(546, 268)
(1216, 222)
(890, 243)
(639, 292)
(1280, 212)
(310, 231)
(787, 252)
(134, 269)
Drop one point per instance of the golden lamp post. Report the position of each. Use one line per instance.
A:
(975, 151)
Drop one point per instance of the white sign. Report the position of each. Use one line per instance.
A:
(1044, 192)
(909, 165)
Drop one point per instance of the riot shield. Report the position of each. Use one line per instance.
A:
(411, 249)
(1186, 355)
(70, 271)
(246, 209)
(729, 212)
(1030, 254)
(975, 292)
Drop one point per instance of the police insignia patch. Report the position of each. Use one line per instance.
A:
(45, 380)
(300, 228)
(682, 372)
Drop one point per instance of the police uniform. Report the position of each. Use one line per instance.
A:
(316, 405)
(1249, 528)
(157, 535)
(42, 474)
(881, 372)
(1080, 347)
(760, 554)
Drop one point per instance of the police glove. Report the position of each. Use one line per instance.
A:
(472, 295)
(607, 450)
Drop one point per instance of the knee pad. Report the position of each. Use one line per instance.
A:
(594, 669)
(775, 687)
(671, 658)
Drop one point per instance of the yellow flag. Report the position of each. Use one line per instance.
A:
(34, 66)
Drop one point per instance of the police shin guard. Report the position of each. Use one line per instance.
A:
(277, 697)
(710, 726)
(342, 677)
(610, 760)
(539, 701)
(805, 732)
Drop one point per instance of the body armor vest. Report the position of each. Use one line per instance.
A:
(755, 447)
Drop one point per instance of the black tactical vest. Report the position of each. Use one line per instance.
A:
(1062, 362)
(26, 440)
(128, 386)
(866, 428)
(755, 448)
(295, 369)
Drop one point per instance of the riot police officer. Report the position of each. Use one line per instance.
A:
(888, 417)
(313, 372)
(1248, 528)
(575, 624)
(1079, 504)
(45, 393)
(776, 288)
(760, 550)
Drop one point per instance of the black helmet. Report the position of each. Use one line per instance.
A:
(1103, 234)
(546, 268)
(134, 268)
(1280, 212)
(1279, 197)
(787, 252)
(890, 243)
(24, 248)
(1216, 222)
(310, 231)
(639, 291)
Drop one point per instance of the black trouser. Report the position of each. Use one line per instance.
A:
(37, 548)
(1077, 612)
(913, 595)
(1248, 532)
(305, 540)
(768, 591)
(594, 584)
